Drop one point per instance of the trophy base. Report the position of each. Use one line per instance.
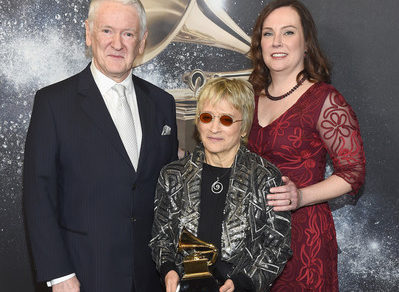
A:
(207, 284)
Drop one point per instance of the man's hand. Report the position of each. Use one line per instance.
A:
(70, 285)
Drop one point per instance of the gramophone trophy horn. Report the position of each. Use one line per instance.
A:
(190, 21)
(197, 78)
(201, 255)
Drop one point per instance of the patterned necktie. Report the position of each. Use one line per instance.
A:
(125, 124)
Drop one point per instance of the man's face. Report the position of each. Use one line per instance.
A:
(115, 39)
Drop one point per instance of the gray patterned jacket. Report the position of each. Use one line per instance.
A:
(255, 239)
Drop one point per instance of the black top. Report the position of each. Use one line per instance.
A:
(211, 218)
(212, 204)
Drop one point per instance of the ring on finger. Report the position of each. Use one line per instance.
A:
(289, 201)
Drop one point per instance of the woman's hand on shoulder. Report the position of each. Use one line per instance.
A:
(228, 286)
(171, 281)
(286, 197)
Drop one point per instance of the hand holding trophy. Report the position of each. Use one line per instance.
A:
(201, 255)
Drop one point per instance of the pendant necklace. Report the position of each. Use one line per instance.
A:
(275, 98)
(217, 186)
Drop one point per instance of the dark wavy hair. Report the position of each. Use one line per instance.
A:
(317, 67)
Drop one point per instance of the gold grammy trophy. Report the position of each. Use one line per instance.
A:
(201, 255)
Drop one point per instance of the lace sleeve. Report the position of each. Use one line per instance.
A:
(339, 130)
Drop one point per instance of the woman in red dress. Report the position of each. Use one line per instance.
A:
(299, 118)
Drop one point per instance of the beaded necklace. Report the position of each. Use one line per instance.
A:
(275, 98)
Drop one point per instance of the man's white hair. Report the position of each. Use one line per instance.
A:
(134, 3)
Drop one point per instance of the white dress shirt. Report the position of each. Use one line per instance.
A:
(110, 97)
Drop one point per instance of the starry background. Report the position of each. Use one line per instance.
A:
(42, 42)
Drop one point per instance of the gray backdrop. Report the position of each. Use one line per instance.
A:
(42, 41)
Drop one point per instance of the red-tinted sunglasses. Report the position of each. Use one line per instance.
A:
(225, 120)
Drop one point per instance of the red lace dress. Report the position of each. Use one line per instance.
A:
(320, 121)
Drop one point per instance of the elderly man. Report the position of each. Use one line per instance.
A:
(94, 150)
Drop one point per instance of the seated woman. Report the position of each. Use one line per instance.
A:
(218, 194)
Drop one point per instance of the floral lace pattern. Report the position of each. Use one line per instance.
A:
(297, 142)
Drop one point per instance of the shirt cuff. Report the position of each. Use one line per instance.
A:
(59, 280)
(165, 268)
(242, 283)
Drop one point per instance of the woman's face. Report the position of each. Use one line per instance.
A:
(221, 142)
(283, 43)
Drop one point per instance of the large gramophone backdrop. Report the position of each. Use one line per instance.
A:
(42, 41)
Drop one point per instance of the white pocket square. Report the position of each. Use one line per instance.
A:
(166, 130)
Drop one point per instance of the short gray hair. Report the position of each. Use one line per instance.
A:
(238, 92)
(134, 3)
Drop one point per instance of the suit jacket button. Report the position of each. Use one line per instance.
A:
(134, 186)
(133, 219)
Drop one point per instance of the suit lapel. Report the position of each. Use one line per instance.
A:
(147, 118)
(94, 106)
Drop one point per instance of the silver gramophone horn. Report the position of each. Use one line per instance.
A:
(197, 78)
(190, 21)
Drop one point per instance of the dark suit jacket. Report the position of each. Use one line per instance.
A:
(87, 210)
